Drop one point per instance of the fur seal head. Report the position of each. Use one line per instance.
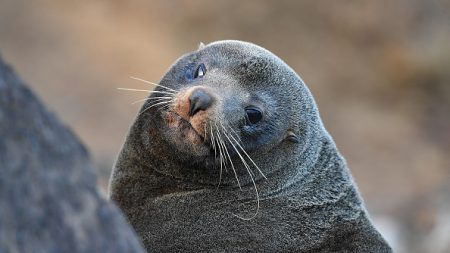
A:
(232, 114)
(228, 104)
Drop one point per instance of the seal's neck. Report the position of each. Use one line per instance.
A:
(321, 178)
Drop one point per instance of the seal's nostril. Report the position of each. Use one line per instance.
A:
(199, 100)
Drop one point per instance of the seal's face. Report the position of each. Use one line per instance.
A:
(227, 100)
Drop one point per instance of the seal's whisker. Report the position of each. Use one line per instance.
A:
(148, 91)
(251, 177)
(237, 151)
(221, 147)
(152, 83)
(235, 137)
(152, 98)
(164, 102)
(153, 105)
(222, 158)
(158, 102)
(228, 155)
(163, 107)
(248, 156)
(213, 142)
(233, 132)
(240, 156)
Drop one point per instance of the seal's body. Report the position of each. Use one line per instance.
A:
(229, 154)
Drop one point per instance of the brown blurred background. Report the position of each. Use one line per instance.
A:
(379, 70)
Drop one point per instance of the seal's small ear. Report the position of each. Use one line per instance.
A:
(290, 136)
(201, 45)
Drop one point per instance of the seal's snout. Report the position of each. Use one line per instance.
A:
(193, 107)
(199, 100)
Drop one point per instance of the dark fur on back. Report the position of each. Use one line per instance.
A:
(308, 203)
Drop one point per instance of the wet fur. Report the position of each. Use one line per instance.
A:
(308, 203)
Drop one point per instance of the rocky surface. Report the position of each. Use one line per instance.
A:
(49, 201)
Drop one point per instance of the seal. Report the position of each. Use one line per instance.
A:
(229, 154)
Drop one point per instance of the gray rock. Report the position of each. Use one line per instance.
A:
(49, 201)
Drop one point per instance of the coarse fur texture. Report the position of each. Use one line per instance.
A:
(212, 181)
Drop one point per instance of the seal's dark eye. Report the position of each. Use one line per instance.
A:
(253, 115)
(200, 71)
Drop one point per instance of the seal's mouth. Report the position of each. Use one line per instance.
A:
(185, 128)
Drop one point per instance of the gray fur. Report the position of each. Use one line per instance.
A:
(308, 203)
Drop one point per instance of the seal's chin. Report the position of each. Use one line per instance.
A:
(182, 127)
(191, 144)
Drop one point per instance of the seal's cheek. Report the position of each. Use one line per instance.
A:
(171, 119)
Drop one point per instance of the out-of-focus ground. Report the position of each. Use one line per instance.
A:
(379, 70)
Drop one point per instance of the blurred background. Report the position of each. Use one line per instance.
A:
(379, 70)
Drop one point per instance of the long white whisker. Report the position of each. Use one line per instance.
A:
(152, 83)
(153, 105)
(251, 160)
(239, 154)
(221, 157)
(251, 177)
(221, 148)
(152, 98)
(213, 142)
(212, 139)
(148, 91)
(233, 132)
(229, 157)
(164, 107)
